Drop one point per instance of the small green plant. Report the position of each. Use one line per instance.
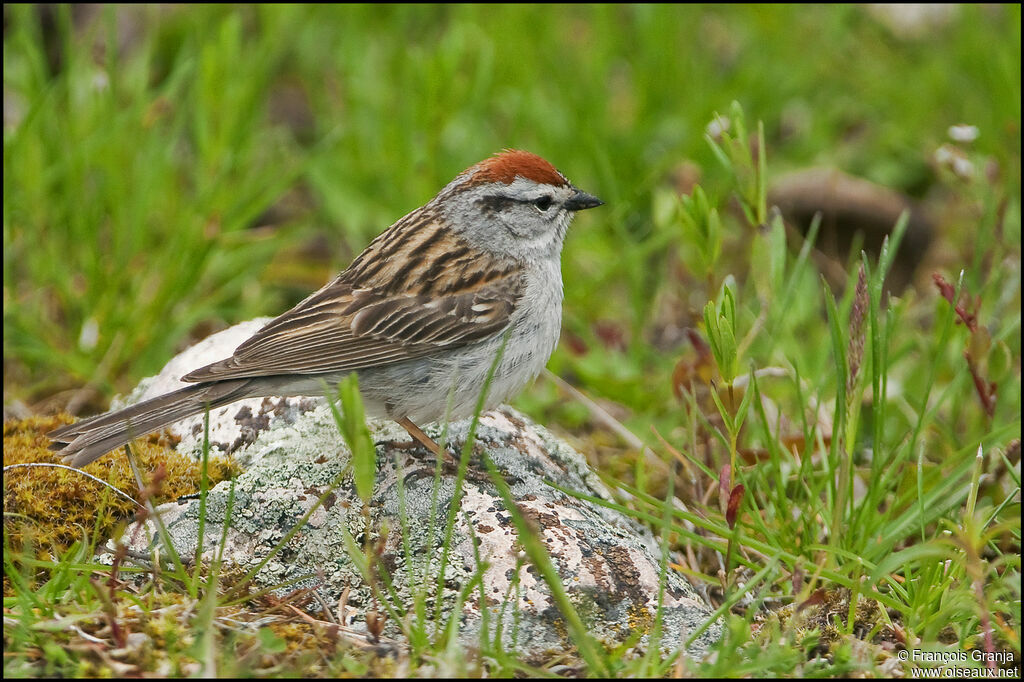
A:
(352, 424)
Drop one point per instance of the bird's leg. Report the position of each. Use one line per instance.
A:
(417, 434)
(449, 462)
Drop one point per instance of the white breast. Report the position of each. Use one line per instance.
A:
(427, 389)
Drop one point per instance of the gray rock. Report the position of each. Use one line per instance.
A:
(608, 564)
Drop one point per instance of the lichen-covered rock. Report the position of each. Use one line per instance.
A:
(608, 564)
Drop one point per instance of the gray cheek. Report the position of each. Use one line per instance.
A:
(517, 224)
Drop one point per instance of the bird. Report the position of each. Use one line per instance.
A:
(421, 315)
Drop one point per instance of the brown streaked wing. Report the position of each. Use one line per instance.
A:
(452, 320)
(359, 320)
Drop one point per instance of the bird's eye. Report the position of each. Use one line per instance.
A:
(542, 203)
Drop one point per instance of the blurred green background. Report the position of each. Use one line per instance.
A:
(170, 170)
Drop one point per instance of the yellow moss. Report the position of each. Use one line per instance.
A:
(825, 618)
(784, 613)
(296, 636)
(639, 619)
(830, 636)
(561, 629)
(49, 508)
(867, 613)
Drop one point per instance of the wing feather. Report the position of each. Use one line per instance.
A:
(360, 320)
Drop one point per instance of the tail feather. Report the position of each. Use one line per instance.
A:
(89, 439)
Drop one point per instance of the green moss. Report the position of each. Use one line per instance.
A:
(49, 508)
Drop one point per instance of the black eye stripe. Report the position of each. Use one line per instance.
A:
(496, 203)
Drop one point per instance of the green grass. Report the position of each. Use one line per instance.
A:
(168, 170)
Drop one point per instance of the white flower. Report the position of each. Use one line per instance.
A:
(963, 133)
(956, 160)
(89, 335)
(963, 167)
(944, 155)
(717, 126)
(100, 81)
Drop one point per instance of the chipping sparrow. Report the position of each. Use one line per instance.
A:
(420, 315)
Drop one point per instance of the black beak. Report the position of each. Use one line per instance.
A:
(581, 200)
